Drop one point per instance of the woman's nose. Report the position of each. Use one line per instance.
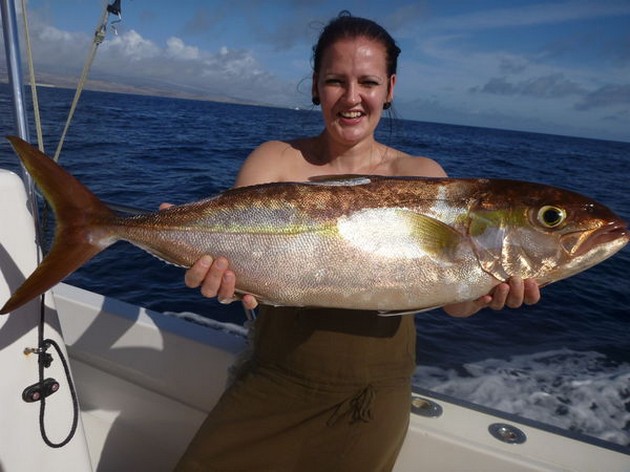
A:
(351, 95)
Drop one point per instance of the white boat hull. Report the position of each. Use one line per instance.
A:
(21, 445)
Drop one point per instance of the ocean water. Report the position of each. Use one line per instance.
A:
(564, 361)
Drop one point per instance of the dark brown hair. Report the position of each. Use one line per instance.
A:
(346, 26)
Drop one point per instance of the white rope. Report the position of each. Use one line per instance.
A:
(99, 36)
(31, 72)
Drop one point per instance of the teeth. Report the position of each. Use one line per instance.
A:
(351, 114)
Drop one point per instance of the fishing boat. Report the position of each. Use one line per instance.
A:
(93, 383)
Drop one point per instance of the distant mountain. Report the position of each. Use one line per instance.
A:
(116, 86)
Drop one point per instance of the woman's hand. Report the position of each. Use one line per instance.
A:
(214, 278)
(513, 293)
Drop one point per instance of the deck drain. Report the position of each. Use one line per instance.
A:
(425, 407)
(507, 433)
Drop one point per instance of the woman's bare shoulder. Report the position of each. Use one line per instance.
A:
(271, 152)
(266, 163)
(418, 166)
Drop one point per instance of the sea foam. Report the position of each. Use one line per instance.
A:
(583, 392)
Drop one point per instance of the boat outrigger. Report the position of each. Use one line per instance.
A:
(93, 383)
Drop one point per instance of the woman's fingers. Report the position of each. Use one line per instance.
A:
(214, 279)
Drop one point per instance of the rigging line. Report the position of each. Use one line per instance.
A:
(99, 36)
(43, 345)
(31, 72)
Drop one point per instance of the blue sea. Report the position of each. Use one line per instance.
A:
(564, 361)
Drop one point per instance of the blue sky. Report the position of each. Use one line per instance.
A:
(560, 67)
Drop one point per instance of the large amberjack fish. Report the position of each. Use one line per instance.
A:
(358, 242)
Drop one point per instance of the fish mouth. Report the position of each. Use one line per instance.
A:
(580, 242)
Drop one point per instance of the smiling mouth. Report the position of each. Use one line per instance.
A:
(351, 115)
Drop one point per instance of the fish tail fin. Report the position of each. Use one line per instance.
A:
(81, 230)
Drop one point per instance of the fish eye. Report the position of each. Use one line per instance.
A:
(551, 216)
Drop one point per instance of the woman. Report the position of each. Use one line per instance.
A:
(327, 390)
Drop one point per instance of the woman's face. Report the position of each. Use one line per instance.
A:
(352, 85)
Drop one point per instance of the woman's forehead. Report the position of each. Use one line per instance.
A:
(355, 51)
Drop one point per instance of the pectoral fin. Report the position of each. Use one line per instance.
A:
(434, 236)
(398, 233)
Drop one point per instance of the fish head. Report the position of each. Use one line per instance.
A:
(541, 232)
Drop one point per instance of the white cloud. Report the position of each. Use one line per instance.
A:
(607, 96)
(548, 86)
(50, 33)
(130, 59)
(131, 45)
(235, 63)
(456, 74)
(176, 48)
